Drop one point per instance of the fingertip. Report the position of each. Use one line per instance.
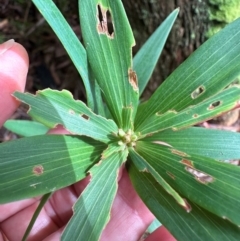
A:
(161, 234)
(14, 64)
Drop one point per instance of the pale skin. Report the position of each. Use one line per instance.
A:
(129, 216)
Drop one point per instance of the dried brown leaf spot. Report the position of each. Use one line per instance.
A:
(104, 22)
(132, 77)
(85, 117)
(187, 206)
(187, 162)
(200, 176)
(195, 116)
(38, 170)
(171, 175)
(179, 153)
(197, 92)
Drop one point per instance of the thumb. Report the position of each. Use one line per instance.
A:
(13, 72)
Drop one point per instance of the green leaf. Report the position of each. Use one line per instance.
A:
(216, 144)
(210, 184)
(153, 226)
(109, 53)
(146, 58)
(92, 209)
(70, 42)
(218, 104)
(26, 128)
(43, 201)
(143, 166)
(37, 165)
(207, 71)
(52, 107)
(197, 225)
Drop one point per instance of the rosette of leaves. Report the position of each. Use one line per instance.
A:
(179, 171)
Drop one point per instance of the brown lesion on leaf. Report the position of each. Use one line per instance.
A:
(38, 170)
(133, 80)
(214, 105)
(195, 116)
(171, 175)
(187, 162)
(200, 176)
(85, 117)
(104, 22)
(179, 153)
(197, 92)
(187, 206)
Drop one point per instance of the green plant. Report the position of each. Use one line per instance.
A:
(177, 171)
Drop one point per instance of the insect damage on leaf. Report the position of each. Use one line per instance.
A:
(171, 175)
(214, 105)
(162, 143)
(85, 117)
(179, 153)
(196, 93)
(38, 170)
(200, 176)
(187, 162)
(71, 112)
(132, 76)
(187, 206)
(104, 22)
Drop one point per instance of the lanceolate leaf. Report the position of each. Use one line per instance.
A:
(92, 210)
(43, 201)
(108, 39)
(224, 101)
(207, 71)
(26, 128)
(197, 225)
(52, 107)
(212, 185)
(37, 165)
(144, 166)
(70, 42)
(216, 144)
(146, 58)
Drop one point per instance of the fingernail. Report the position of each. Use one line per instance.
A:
(6, 45)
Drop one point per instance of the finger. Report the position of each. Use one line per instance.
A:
(9, 209)
(161, 234)
(53, 216)
(13, 72)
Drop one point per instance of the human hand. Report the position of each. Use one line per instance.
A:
(129, 216)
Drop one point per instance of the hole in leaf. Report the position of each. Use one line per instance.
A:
(38, 170)
(196, 93)
(109, 23)
(214, 105)
(100, 16)
(85, 117)
(105, 23)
